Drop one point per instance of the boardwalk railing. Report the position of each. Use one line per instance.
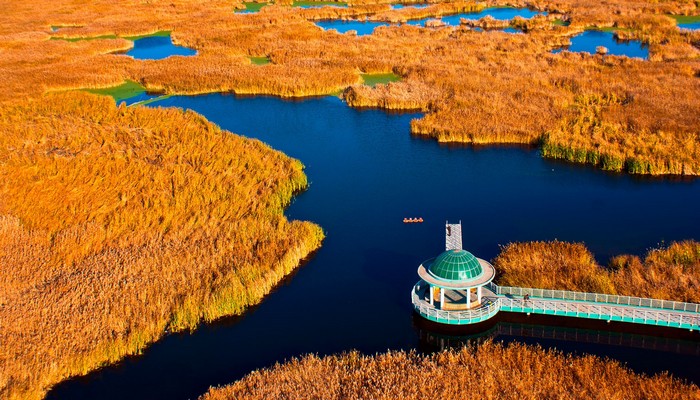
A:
(602, 311)
(595, 298)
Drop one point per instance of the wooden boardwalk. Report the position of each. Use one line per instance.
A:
(565, 303)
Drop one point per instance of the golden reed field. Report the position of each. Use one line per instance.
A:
(670, 273)
(617, 113)
(119, 224)
(487, 371)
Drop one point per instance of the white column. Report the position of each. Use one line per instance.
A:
(430, 289)
(442, 298)
(478, 295)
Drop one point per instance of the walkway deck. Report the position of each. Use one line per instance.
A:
(566, 303)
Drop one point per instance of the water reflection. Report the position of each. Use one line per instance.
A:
(645, 349)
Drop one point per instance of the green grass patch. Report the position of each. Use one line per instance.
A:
(156, 34)
(126, 90)
(132, 38)
(377, 79)
(319, 3)
(260, 60)
(608, 29)
(252, 7)
(559, 22)
(78, 39)
(686, 19)
(153, 100)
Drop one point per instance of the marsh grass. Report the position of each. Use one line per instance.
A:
(119, 224)
(667, 273)
(486, 371)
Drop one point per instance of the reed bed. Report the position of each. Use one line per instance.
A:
(119, 224)
(668, 273)
(486, 371)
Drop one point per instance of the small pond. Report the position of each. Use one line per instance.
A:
(416, 5)
(693, 26)
(687, 22)
(158, 47)
(361, 27)
(589, 40)
(498, 13)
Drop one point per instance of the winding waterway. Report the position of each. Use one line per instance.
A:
(367, 173)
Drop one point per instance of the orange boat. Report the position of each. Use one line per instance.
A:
(412, 220)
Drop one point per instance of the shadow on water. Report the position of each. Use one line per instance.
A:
(645, 349)
(366, 174)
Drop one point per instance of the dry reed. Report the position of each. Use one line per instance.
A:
(486, 371)
(669, 273)
(120, 224)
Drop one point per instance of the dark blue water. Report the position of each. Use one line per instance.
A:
(366, 174)
(157, 48)
(589, 40)
(498, 13)
(361, 27)
(400, 6)
(693, 26)
(367, 27)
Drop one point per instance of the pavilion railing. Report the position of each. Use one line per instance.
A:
(487, 310)
(596, 298)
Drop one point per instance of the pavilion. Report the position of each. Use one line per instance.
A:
(453, 286)
(456, 288)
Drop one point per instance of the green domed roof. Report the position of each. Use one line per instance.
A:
(456, 265)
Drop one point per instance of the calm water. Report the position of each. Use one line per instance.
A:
(157, 48)
(400, 6)
(361, 27)
(367, 173)
(589, 40)
(499, 13)
(367, 27)
(693, 26)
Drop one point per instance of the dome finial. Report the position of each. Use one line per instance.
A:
(453, 236)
